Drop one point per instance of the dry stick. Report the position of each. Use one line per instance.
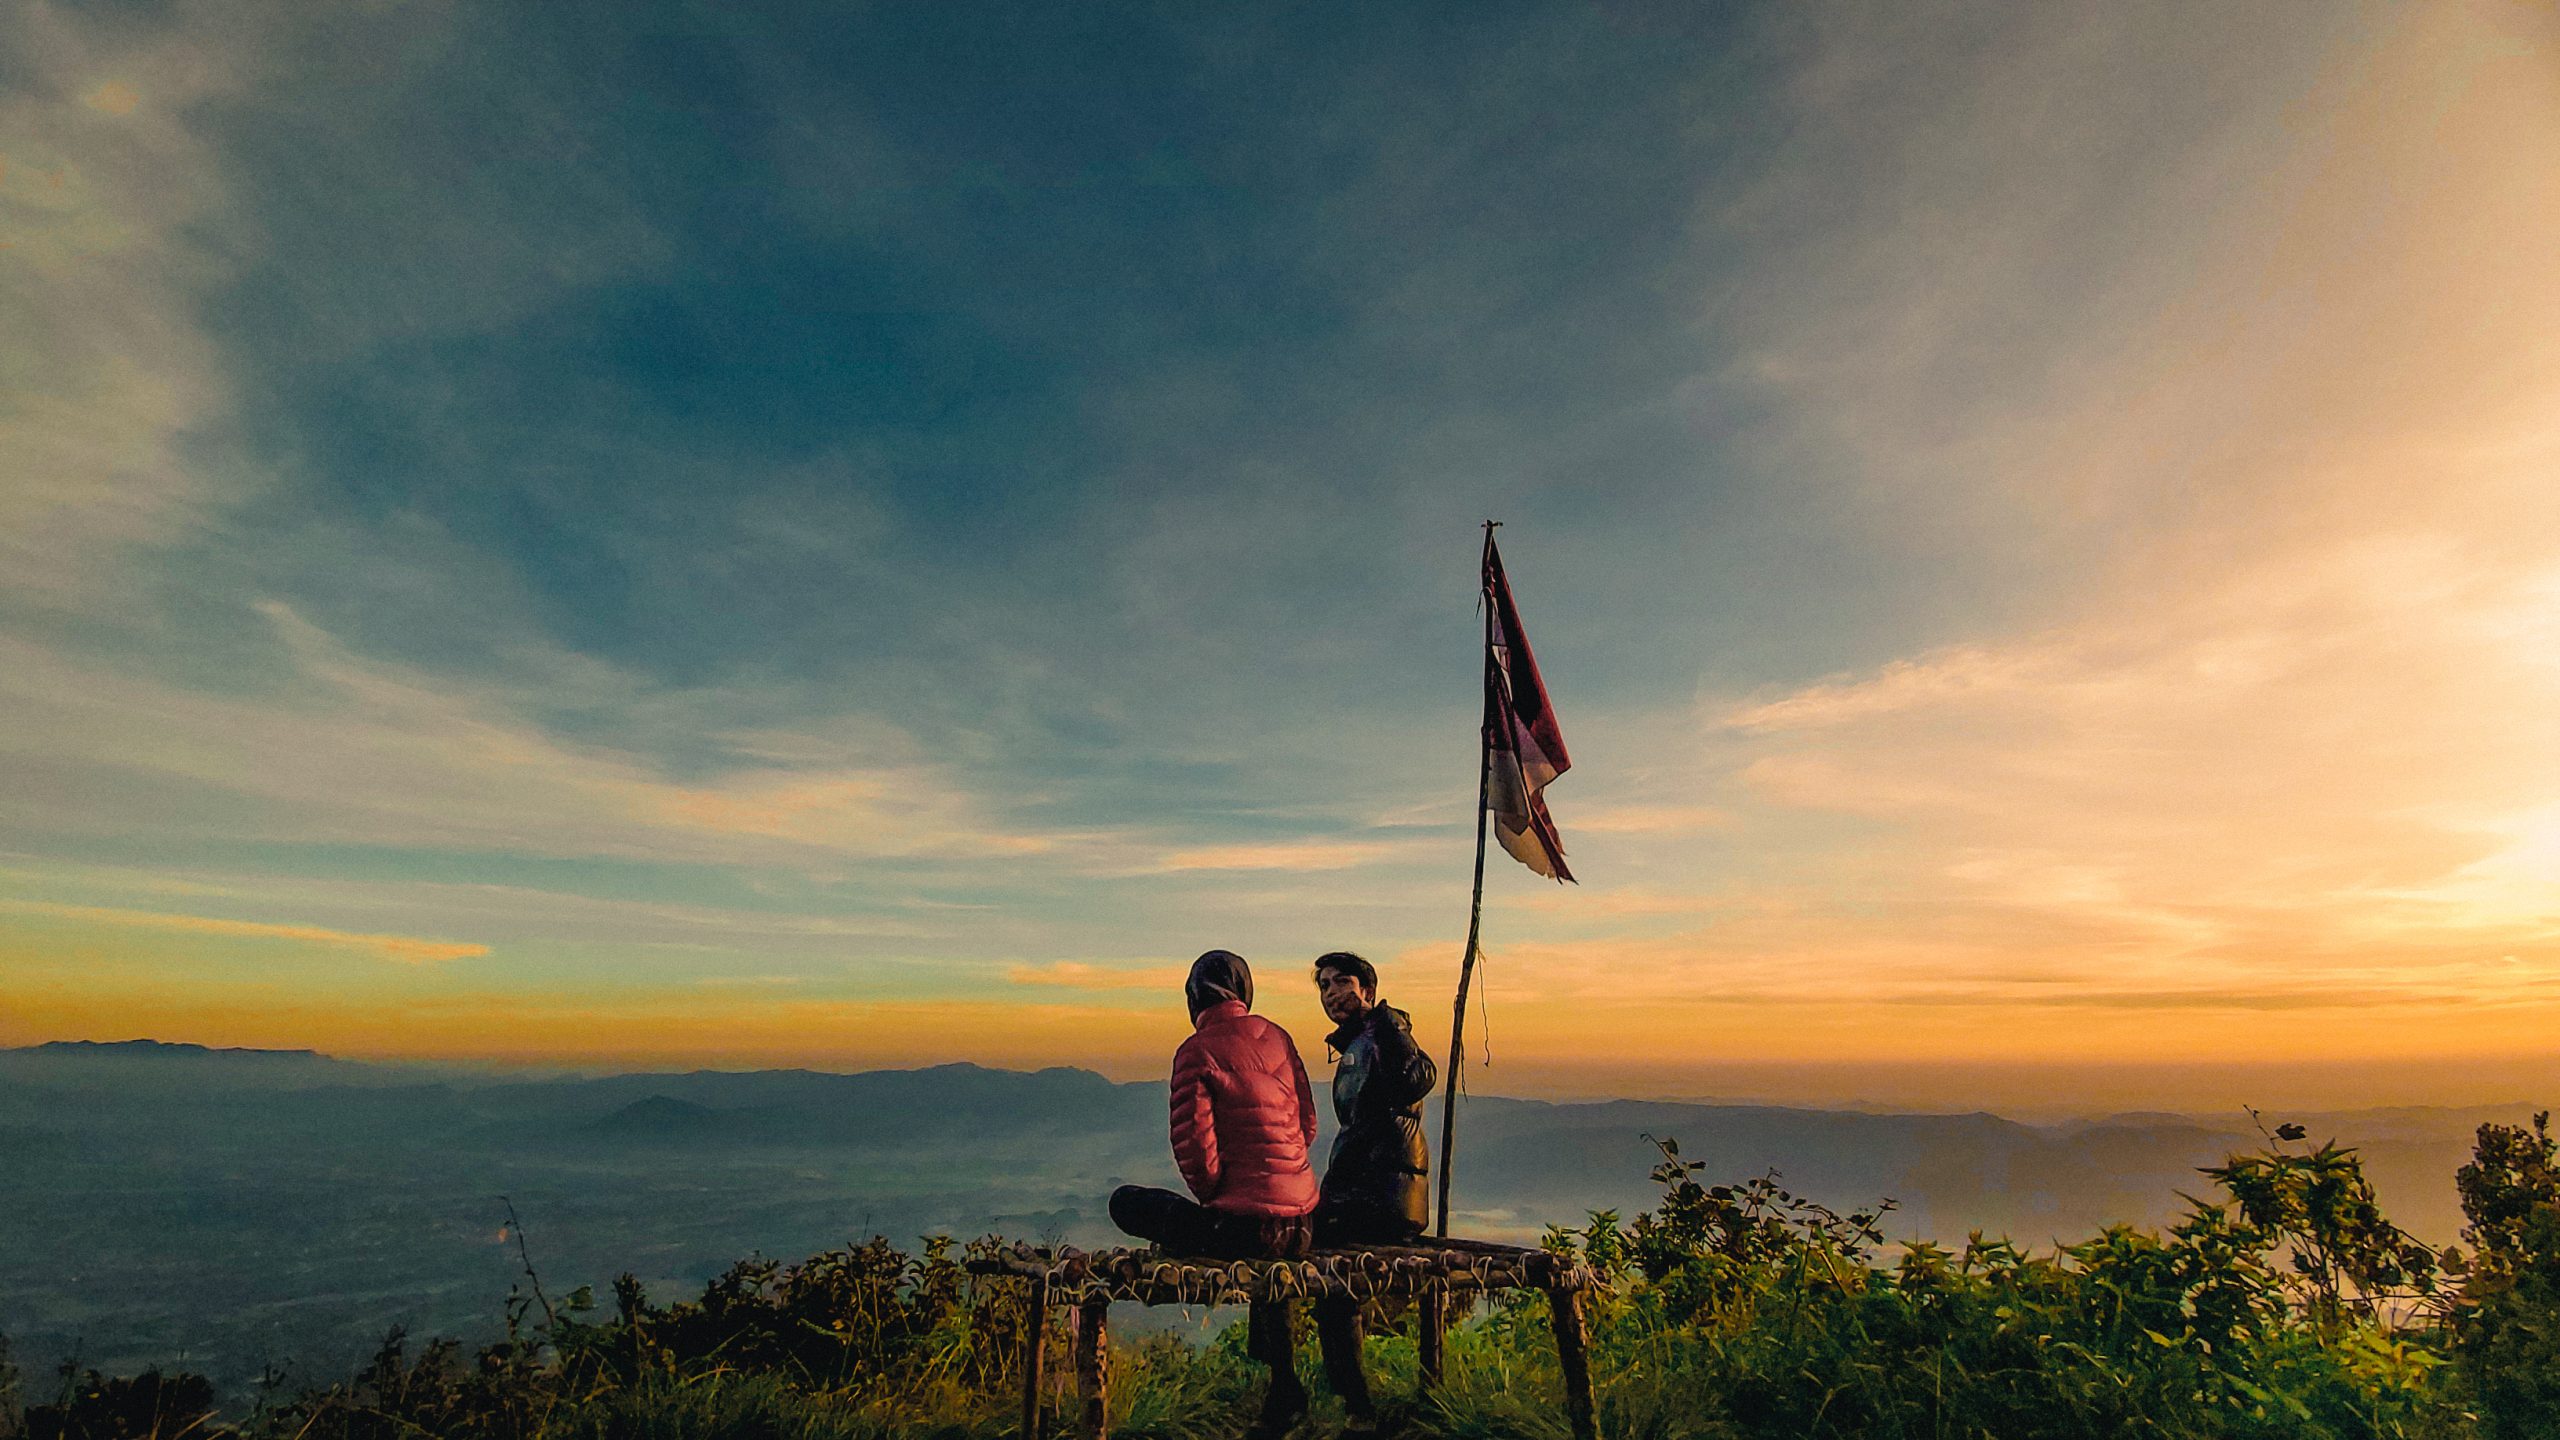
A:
(515, 1227)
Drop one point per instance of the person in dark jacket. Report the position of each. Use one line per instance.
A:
(1244, 1119)
(1377, 1180)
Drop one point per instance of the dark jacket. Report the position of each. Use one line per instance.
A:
(1380, 1164)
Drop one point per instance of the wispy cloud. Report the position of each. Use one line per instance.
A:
(2322, 745)
(373, 753)
(1592, 906)
(1082, 975)
(1656, 820)
(114, 388)
(1312, 855)
(510, 912)
(403, 948)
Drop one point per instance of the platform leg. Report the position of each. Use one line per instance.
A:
(1574, 1358)
(1093, 1366)
(1034, 1352)
(1429, 1329)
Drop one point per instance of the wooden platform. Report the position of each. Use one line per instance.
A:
(1433, 1272)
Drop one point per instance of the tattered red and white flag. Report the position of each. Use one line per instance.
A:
(1524, 749)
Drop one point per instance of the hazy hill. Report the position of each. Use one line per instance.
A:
(662, 1118)
(160, 1050)
(234, 1207)
(156, 1067)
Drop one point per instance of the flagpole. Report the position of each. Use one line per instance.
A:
(1475, 907)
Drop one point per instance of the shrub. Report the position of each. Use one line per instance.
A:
(1744, 1310)
(148, 1406)
(2507, 1331)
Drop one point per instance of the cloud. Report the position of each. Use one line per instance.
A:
(519, 914)
(2094, 463)
(2107, 295)
(114, 391)
(1900, 686)
(2267, 500)
(1079, 975)
(2294, 733)
(1307, 855)
(402, 948)
(1591, 906)
(1654, 820)
(362, 752)
(112, 98)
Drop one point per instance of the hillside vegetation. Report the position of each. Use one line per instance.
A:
(241, 1211)
(2283, 1303)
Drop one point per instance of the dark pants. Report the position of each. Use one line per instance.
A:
(1184, 1226)
(1338, 1316)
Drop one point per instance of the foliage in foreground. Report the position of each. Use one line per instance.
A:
(2286, 1307)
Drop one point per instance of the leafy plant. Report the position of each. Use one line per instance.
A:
(2507, 1331)
(2343, 1262)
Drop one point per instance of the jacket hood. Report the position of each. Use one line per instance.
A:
(1216, 976)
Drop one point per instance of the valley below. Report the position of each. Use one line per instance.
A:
(247, 1213)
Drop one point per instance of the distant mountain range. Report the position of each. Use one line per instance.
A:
(1522, 1162)
(159, 1064)
(156, 1050)
(239, 1206)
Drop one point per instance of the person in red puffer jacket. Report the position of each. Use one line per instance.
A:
(1244, 1119)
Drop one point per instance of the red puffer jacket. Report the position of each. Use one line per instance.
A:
(1243, 1117)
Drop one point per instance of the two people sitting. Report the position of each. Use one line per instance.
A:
(1244, 1124)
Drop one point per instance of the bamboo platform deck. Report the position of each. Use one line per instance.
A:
(1434, 1272)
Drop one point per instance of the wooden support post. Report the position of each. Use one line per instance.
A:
(1034, 1346)
(1429, 1330)
(1575, 1360)
(1093, 1366)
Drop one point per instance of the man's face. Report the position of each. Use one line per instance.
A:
(1345, 998)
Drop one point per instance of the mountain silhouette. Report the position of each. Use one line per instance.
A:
(163, 1050)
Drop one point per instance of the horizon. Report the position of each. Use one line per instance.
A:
(610, 534)
(2027, 1094)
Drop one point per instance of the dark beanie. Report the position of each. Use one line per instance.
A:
(1218, 976)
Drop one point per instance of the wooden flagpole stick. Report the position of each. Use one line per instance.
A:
(1475, 912)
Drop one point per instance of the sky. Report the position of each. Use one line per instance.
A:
(645, 535)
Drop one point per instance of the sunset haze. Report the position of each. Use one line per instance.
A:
(823, 536)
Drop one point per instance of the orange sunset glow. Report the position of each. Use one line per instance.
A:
(2044, 540)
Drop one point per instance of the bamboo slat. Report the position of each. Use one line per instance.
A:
(1149, 1277)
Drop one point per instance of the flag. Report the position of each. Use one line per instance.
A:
(1524, 749)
